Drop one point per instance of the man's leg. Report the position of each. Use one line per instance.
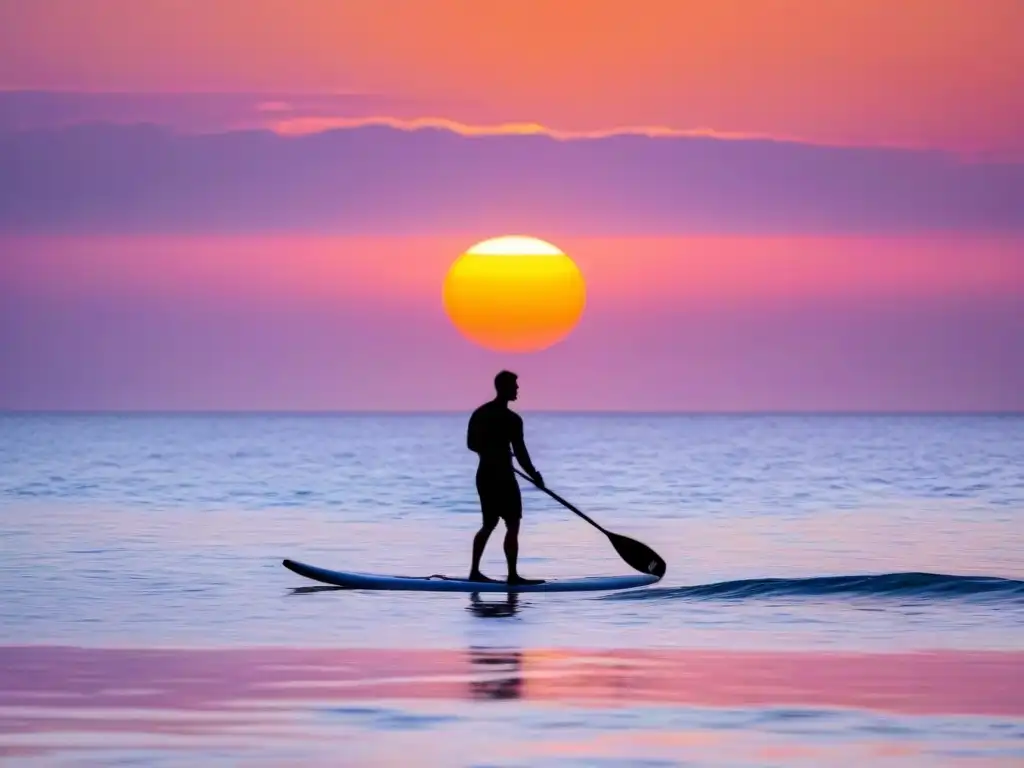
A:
(479, 543)
(512, 551)
(512, 546)
(490, 513)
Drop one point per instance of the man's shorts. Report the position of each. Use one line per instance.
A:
(500, 498)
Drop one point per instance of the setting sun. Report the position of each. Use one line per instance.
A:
(514, 294)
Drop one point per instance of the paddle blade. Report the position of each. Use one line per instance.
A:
(638, 555)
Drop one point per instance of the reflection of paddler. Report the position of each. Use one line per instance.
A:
(496, 661)
(487, 609)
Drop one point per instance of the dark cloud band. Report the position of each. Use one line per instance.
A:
(379, 179)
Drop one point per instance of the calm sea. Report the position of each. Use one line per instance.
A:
(841, 590)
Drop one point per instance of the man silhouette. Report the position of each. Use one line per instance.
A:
(493, 430)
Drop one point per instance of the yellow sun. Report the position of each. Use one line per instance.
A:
(514, 294)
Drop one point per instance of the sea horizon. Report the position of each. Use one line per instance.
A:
(514, 406)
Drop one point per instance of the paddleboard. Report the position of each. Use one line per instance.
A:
(352, 580)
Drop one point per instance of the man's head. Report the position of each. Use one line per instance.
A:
(506, 384)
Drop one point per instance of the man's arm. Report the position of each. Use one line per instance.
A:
(522, 455)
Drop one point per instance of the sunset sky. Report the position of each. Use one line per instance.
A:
(252, 204)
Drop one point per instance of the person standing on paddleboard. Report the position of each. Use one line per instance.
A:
(496, 432)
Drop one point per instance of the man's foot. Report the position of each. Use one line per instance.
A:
(477, 576)
(518, 580)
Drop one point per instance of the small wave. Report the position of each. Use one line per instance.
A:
(902, 585)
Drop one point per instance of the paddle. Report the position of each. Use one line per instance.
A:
(637, 555)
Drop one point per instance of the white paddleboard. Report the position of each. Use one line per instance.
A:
(352, 580)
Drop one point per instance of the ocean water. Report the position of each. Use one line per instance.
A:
(841, 590)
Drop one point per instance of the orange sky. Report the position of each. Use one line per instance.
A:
(881, 279)
(914, 72)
